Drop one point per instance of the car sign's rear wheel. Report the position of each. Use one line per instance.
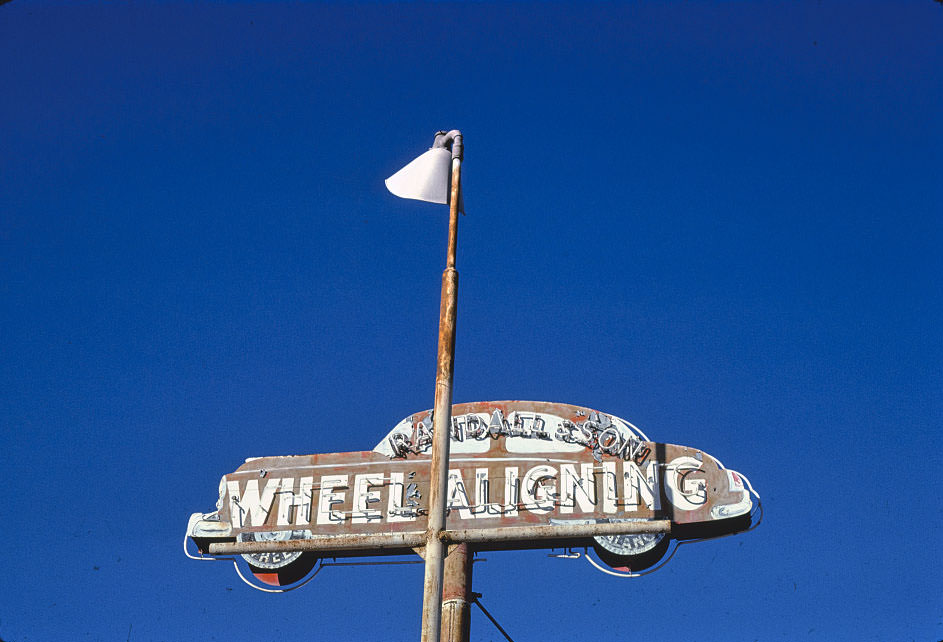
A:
(631, 553)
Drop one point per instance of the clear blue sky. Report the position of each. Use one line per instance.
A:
(721, 222)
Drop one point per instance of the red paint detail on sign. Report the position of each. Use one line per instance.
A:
(269, 578)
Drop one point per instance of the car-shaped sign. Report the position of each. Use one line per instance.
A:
(512, 464)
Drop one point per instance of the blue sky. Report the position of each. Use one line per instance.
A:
(720, 221)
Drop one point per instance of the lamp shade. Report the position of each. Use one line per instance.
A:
(425, 179)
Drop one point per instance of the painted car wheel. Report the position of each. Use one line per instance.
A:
(278, 568)
(631, 553)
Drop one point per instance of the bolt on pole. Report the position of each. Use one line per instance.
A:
(442, 418)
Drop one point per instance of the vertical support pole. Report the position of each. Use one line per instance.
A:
(456, 593)
(442, 422)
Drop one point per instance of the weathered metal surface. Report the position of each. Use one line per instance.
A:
(456, 594)
(567, 531)
(511, 464)
(442, 421)
(323, 543)
(409, 539)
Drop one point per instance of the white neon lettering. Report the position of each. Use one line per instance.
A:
(685, 492)
(484, 507)
(251, 509)
(578, 488)
(511, 491)
(568, 486)
(289, 500)
(328, 498)
(363, 497)
(609, 497)
(395, 511)
(303, 514)
(537, 496)
(640, 487)
(458, 495)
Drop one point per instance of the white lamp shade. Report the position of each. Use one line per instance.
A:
(425, 179)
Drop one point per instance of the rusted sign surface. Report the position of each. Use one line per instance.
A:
(512, 464)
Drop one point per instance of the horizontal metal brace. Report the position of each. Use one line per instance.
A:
(412, 539)
(343, 542)
(562, 531)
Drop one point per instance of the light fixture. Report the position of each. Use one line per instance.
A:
(426, 178)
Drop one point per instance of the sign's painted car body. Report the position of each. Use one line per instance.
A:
(512, 463)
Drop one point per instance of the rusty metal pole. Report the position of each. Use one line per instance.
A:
(456, 595)
(442, 418)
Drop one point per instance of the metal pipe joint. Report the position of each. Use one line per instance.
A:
(451, 140)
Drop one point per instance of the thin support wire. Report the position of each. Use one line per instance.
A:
(395, 563)
(570, 554)
(475, 600)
